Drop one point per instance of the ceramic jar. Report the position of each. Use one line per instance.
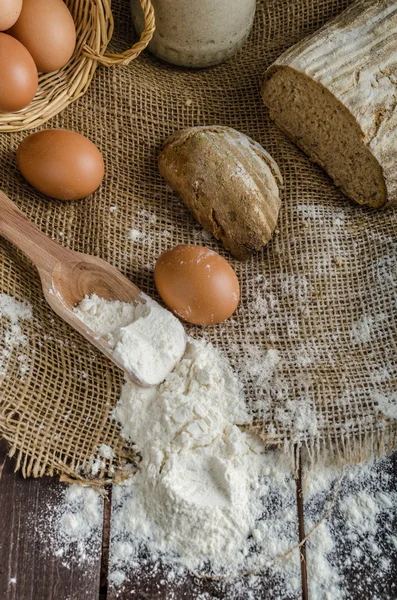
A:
(197, 33)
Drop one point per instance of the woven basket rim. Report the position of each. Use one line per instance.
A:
(94, 26)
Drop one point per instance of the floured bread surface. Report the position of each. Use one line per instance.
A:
(335, 95)
(228, 181)
(319, 124)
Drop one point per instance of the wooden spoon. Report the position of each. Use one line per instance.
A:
(68, 276)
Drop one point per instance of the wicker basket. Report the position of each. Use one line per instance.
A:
(94, 26)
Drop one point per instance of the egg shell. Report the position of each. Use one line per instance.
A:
(60, 163)
(197, 284)
(9, 13)
(18, 75)
(46, 28)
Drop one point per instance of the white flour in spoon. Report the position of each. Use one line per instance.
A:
(145, 338)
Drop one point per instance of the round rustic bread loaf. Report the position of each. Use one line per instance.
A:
(228, 181)
(334, 95)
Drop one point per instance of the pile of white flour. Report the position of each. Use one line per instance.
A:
(206, 498)
(145, 338)
(198, 493)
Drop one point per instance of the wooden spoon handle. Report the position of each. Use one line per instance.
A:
(16, 228)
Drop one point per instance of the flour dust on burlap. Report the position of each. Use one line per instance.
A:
(12, 315)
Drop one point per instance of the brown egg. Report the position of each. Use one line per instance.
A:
(46, 28)
(9, 13)
(197, 284)
(18, 75)
(60, 163)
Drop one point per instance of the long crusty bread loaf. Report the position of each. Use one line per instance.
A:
(335, 95)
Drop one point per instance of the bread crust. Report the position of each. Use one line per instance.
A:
(228, 181)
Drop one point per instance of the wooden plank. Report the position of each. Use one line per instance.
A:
(363, 563)
(105, 544)
(301, 527)
(27, 570)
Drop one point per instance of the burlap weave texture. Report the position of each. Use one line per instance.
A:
(314, 339)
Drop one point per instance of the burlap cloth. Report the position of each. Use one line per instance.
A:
(321, 297)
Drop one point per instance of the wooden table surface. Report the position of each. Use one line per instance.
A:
(29, 572)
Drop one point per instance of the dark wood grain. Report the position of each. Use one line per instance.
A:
(302, 533)
(27, 571)
(148, 585)
(105, 544)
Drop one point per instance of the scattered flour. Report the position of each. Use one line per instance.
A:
(346, 554)
(324, 580)
(263, 305)
(96, 466)
(296, 286)
(209, 499)
(322, 214)
(206, 235)
(149, 217)
(361, 331)
(386, 269)
(257, 367)
(306, 354)
(105, 451)
(12, 313)
(145, 338)
(360, 512)
(300, 417)
(100, 463)
(71, 526)
(135, 235)
(206, 496)
(387, 404)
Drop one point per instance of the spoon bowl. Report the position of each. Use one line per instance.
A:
(68, 276)
(88, 276)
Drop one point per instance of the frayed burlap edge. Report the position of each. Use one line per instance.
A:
(341, 448)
